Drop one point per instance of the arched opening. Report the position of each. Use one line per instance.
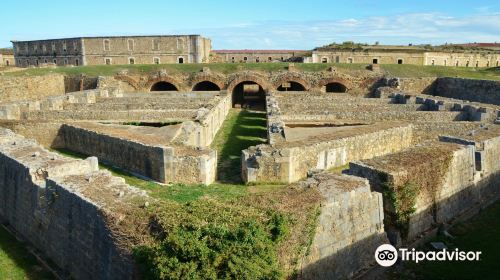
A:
(291, 86)
(249, 94)
(206, 86)
(181, 60)
(335, 87)
(163, 86)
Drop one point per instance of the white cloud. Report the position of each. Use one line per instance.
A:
(414, 28)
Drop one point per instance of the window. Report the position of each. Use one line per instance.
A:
(156, 60)
(53, 46)
(77, 62)
(400, 61)
(64, 46)
(130, 44)
(269, 59)
(55, 61)
(131, 60)
(245, 58)
(107, 61)
(477, 63)
(156, 44)
(456, 63)
(432, 62)
(375, 61)
(282, 59)
(467, 64)
(180, 44)
(324, 60)
(65, 62)
(106, 45)
(180, 60)
(349, 60)
(7, 62)
(232, 59)
(45, 61)
(257, 59)
(75, 46)
(36, 62)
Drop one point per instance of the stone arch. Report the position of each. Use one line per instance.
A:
(296, 79)
(163, 86)
(334, 85)
(248, 89)
(248, 76)
(206, 86)
(165, 79)
(217, 81)
(129, 80)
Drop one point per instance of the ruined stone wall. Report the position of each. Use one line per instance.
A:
(442, 194)
(160, 163)
(483, 91)
(45, 133)
(78, 83)
(343, 243)
(63, 208)
(265, 163)
(417, 85)
(201, 131)
(14, 88)
(462, 59)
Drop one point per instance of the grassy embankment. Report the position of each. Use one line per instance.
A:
(404, 70)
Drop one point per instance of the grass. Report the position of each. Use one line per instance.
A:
(481, 233)
(240, 130)
(404, 70)
(16, 262)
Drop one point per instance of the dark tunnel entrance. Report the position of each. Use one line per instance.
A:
(250, 95)
(335, 87)
(206, 86)
(163, 86)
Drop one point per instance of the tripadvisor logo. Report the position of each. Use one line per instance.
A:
(387, 255)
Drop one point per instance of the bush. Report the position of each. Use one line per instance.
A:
(237, 249)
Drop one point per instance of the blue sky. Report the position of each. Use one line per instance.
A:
(258, 24)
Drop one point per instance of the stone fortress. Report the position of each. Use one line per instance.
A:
(113, 50)
(197, 49)
(436, 139)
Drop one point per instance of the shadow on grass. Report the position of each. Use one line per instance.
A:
(16, 262)
(241, 130)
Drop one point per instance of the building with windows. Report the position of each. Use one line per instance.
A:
(407, 55)
(113, 50)
(256, 56)
(6, 58)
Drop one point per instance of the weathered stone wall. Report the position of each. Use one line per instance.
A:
(160, 163)
(208, 122)
(45, 133)
(266, 163)
(79, 83)
(255, 56)
(442, 195)
(417, 85)
(350, 228)
(65, 209)
(14, 88)
(467, 89)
